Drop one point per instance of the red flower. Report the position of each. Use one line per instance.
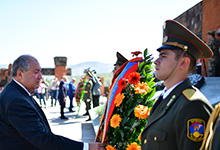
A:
(136, 53)
(134, 77)
(122, 83)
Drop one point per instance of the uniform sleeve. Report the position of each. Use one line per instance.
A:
(190, 124)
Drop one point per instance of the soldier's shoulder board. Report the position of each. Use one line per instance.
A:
(189, 93)
(192, 94)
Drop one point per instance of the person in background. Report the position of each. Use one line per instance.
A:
(179, 116)
(71, 93)
(62, 96)
(118, 66)
(119, 62)
(41, 93)
(96, 91)
(46, 84)
(214, 61)
(23, 123)
(54, 91)
(88, 93)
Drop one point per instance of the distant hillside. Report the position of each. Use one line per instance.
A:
(78, 69)
(4, 66)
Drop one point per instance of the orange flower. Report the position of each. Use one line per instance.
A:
(141, 111)
(115, 121)
(118, 99)
(133, 146)
(122, 83)
(141, 88)
(109, 147)
(134, 77)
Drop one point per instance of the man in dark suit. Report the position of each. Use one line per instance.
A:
(62, 96)
(23, 124)
(178, 118)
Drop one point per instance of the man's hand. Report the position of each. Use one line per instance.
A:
(64, 99)
(96, 146)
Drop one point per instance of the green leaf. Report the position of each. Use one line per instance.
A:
(124, 121)
(136, 124)
(131, 122)
(122, 134)
(131, 110)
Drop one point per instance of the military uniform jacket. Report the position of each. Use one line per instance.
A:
(88, 90)
(23, 125)
(178, 122)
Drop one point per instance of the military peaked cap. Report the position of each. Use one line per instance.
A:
(120, 59)
(211, 33)
(177, 36)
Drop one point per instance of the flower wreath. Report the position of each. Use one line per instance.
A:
(132, 107)
(79, 93)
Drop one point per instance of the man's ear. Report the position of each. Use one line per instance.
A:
(185, 62)
(19, 74)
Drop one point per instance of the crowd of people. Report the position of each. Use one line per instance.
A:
(63, 89)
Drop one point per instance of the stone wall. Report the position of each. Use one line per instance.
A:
(211, 21)
(192, 19)
(201, 18)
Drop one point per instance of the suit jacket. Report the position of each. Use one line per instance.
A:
(178, 122)
(23, 124)
(72, 89)
(62, 92)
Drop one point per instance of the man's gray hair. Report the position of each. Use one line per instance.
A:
(21, 63)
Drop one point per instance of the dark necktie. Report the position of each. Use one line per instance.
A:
(159, 100)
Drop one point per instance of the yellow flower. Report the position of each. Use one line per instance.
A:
(141, 88)
(133, 146)
(109, 147)
(141, 111)
(115, 121)
(118, 99)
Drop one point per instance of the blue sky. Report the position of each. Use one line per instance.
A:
(83, 30)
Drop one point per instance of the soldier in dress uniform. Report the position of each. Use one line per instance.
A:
(178, 118)
(120, 61)
(88, 93)
(118, 66)
(214, 61)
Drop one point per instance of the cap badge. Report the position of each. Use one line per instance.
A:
(165, 38)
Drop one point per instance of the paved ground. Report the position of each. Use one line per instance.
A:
(75, 127)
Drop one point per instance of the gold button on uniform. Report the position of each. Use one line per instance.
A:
(155, 138)
(145, 141)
